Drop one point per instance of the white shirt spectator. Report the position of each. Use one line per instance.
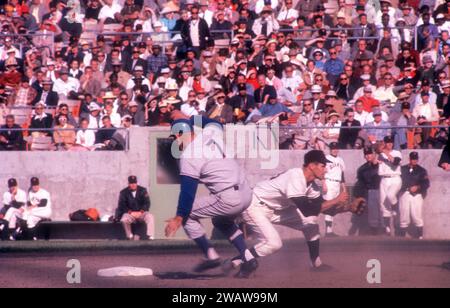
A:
(385, 94)
(292, 83)
(429, 111)
(207, 16)
(4, 55)
(65, 88)
(287, 14)
(194, 34)
(85, 138)
(188, 110)
(109, 11)
(362, 117)
(272, 25)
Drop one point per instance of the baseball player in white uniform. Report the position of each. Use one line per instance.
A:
(203, 160)
(391, 182)
(13, 200)
(38, 207)
(334, 182)
(292, 199)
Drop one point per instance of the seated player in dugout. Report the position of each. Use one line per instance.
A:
(293, 199)
(229, 195)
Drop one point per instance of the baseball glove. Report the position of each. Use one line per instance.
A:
(357, 206)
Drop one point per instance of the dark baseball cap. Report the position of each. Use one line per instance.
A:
(406, 105)
(414, 155)
(368, 151)
(34, 181)
(12, 183)
(334, 145)
(315, 156)
(388, 139)
(132, 179)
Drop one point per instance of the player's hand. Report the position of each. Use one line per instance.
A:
(342, 198)
(173, 225)
(136, 215)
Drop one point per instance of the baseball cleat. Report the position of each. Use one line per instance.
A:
(207, 265)
(321, 268)
(247, 269)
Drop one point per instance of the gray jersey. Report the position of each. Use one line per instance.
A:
(203, 159)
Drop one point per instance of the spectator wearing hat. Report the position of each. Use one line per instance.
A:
(415, 184)
(137, 115)
(349, 135)
(373, 133)
(220, 112)
(41, 120)
(242, 103)
(318, 102)
(195, 32)
(425, 86)
(168, 18)
(66, 86)
(24, 95)
(402, 118)
(426, 113)
(13, 200)
(443, 98)
(11, 138)
(369, 102)
(11, 77)
(94, 115)
(138, 79)
(134, 206)
(331, 132)
(108, 110)
(46, 94)
(266, 23)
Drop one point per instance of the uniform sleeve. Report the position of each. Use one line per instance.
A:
(294, 187)
(190, 167)
(188, 191)
(5, 199)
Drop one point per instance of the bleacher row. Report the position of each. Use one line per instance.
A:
(23, 115)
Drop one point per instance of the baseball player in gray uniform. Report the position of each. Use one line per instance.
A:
(334, 183)
(293, 199)
(203, 160)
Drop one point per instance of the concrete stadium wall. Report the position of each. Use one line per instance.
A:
(93, 179)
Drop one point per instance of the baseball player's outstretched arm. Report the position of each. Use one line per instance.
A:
(189, 187)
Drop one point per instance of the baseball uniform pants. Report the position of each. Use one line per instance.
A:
(226, 204)
(333, 190)
(261, 220)
(389, 189)
(32, 217)
(127, 220)
(411, 209)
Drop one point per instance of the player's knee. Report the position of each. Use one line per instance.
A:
(274, 244)
(226, 225)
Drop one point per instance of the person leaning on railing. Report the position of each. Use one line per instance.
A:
(11, 140)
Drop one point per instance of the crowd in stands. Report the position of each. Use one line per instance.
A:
(328, 71)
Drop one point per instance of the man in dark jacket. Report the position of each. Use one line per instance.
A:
(11, 140)
(415, 183)
(41, 120)
(134, 206)
(195, 32)
(368, 187)
(348, 134)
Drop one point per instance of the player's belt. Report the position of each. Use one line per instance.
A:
(332, 180)
(390, 176)
(235, 187)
